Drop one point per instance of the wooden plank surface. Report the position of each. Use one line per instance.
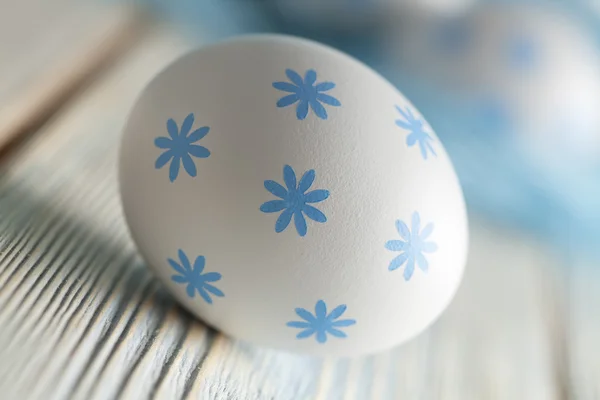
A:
(49, 49)
(83, 318)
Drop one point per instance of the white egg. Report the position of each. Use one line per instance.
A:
(540, 64)
(289, 196)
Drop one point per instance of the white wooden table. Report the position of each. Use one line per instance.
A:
(81, 317)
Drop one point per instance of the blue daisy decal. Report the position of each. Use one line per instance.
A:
(193, 277)
(412, 247)
(320, 324)
(180, 148)
(306, 92)
(417, 134)
(294, 201)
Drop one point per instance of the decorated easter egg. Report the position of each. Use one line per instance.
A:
(289, 196)
(533, 70)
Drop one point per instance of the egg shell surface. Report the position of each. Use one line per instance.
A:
(289, 196)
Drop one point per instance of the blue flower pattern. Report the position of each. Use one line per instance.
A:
(320, 324)
(417, 134)
(294, 201)
(412, 247)
(306, 93)
(193, 277)
(179, 147)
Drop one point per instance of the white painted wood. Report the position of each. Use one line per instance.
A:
(494, 341)
(81, 317)
(50, 48)
(582, 329)
(86, 304)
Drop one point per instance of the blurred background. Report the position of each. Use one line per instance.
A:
(512, 89)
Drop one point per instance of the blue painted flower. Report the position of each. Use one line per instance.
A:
(417, 134)
(194, 278)
(412, 247)
(294, 200)
(320, 324)
(180, 147)
(306, 93)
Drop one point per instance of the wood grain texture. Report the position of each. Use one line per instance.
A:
(81, 317)
(48, 50)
